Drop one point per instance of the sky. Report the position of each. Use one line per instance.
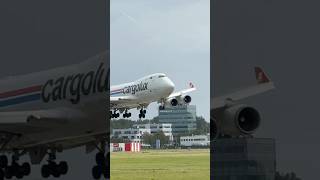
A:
(172, 37)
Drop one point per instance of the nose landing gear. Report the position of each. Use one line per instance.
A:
(142, 113)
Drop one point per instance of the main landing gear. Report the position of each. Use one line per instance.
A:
(126, 114)
(114, 114)
(142, 113)
(102, 163)
(53, 168)
(14, 170)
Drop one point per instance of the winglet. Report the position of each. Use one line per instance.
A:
(261, 76)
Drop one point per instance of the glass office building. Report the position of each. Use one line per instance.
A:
(182, 118)
(243, 159)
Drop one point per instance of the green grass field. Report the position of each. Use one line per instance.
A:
(161, 165)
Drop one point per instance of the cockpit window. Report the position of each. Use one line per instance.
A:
(161, 76)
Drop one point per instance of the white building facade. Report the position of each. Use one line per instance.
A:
(135, 134)
(183, 118)
(195, 140)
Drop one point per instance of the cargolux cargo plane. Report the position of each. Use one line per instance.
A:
(47, 112)
(140, 93)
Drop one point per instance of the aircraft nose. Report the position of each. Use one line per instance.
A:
(170, 85)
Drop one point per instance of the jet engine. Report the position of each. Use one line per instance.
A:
(187, 99)
(237, 120)
(214, 130)
(173, 102)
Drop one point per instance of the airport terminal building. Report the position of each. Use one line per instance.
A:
(182, 118)
(135, 134)
(195, 140)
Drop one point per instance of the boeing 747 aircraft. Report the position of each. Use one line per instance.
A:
(229, 118)
(44, 113)
(140, 93)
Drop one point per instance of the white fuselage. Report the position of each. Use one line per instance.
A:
(143, 91)
(81, 88)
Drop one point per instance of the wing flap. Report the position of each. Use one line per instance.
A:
(82, 139)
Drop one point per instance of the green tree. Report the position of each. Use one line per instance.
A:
(117, 140)
(162, 137)
(120, 124)
(147, 138)
(203, 127)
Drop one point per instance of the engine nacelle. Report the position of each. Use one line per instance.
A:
(187, 99)
(173, 102)
(178, 101)
(239, 120)
(214, 129)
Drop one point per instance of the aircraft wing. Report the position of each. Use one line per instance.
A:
(116, 101)
(72, 141)
(36, 118)
(182, 92)
(264, 84)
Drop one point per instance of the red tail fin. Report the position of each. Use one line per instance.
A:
(261, 76)
(191, 85)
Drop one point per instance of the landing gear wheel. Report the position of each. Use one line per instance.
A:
(96, 172)
(1, 174)
(45, 171)
(26, 169)
(8, 173)
(3, 161)
(107, 158)
(106, 174)
(100, 158)
(16, 170)
(63, 167)
(53, 169)
(19, 172)
(142, 113)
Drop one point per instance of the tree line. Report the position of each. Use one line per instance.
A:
(202, 126)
